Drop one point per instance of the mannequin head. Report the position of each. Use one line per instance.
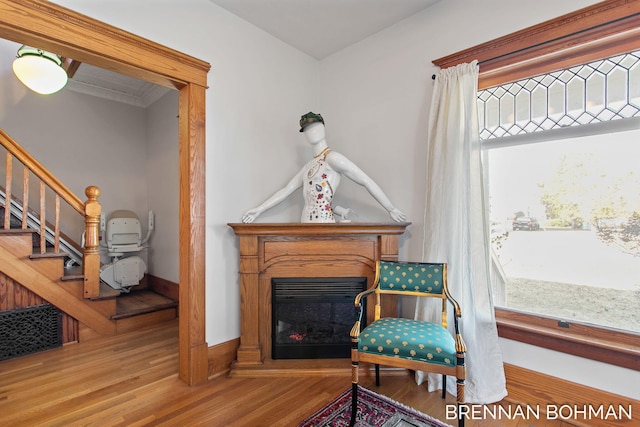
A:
(314, 133)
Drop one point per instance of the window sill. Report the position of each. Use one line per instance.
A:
(612, 346)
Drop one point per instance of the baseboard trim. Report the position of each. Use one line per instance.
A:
(221, 357)
(533, 388)
(164, 287)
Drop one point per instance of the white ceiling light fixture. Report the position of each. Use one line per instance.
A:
(39, 70)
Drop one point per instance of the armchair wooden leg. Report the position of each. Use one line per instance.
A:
(444, 386)
(460, 393)
(354, 404)
(377, 375)
(460, 378)
(355, 374)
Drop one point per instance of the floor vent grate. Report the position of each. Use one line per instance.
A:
(29, 330)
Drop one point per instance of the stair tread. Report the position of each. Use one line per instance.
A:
(69, 277)
(17, 231)
(141, 302)
(106, 292)
(49, 254)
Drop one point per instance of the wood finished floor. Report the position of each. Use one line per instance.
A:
(132, 380)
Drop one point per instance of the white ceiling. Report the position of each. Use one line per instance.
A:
(323, 27)
(102, 83)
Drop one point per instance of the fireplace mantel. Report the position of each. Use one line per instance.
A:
(269, 250)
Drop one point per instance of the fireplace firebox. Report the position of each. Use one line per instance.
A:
(312, 317)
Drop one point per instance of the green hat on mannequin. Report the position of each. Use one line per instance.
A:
(310, 118)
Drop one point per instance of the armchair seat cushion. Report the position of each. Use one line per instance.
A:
(409, 339)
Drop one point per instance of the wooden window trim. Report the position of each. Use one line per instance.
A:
(612, 346)
(596, 32)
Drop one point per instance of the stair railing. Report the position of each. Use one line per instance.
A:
(90, 210)
(67, 245)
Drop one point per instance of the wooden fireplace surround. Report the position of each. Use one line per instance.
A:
(301, 251)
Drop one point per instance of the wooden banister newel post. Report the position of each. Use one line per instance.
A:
(91, 256)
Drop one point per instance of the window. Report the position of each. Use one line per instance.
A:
(533, 196)
(565, 213)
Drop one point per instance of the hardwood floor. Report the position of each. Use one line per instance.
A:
(132, 380)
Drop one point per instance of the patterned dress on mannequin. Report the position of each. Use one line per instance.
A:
(321, 180)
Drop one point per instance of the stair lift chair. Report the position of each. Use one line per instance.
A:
(123, 240)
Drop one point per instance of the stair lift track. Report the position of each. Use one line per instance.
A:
(75, 256)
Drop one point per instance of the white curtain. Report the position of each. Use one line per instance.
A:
(456, 231)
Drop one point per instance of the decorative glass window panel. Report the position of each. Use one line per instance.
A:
(600, 91)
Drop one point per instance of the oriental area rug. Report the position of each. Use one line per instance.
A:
(373, 410)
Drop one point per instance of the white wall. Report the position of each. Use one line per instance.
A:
(614, 379)
(162, 174)
(375, 96)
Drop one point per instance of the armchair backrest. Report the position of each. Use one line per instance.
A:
(419, 279)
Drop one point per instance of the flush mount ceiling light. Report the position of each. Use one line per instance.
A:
(39, 70)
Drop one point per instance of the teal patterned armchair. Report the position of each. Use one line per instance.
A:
(408, 343)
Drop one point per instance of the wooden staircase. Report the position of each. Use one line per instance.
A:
(33, 264)
(44, 275)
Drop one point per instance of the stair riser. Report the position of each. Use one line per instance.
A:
(106, 307)
(18, 244)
